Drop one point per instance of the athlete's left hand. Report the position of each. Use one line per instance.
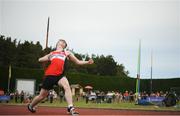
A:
(90, 61)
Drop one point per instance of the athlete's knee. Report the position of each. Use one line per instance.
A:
(41, 97)
(66, 87)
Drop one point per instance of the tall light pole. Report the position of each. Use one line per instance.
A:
(138, 71)
(151, 71)
(9, 78)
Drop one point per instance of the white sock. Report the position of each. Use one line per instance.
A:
(70, 105)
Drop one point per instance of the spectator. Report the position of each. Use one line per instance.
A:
(54, 94)
(102, 96)
(117, 97)
(161, 93)
(113, 96)
(26, 98)
(153, 94)
(83, 95)
(22, 96)
(12, 96)
(87, 96)
(51, 96)
(157, 94)
(61, 94)
(16, 96)
(98, 99)
(131, 96)
(120, 97)
(109, 97)
(126, 96)
(77, 97)
(144, 95)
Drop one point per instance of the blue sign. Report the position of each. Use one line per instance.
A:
(4, 98)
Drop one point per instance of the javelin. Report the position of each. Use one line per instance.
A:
(47, 34)
(46, 46)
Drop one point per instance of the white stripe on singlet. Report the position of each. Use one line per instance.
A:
(59, 56)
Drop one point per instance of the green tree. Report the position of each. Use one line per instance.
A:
(106, 65)
(28, 54)
(7, 51)
(121, 71)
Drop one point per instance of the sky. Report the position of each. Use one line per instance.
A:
(108, 27)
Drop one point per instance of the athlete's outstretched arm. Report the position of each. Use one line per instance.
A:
(44, 58)
(77, 61)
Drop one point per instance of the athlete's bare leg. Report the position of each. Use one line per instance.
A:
(68, 95)
(43, 94)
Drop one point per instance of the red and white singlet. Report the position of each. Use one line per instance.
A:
(56, 67)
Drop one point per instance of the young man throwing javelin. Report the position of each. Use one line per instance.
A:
(54, 75)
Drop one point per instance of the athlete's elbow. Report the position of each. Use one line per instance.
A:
(78, 62)
(39, 60)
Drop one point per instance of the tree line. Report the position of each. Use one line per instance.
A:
(25, 55)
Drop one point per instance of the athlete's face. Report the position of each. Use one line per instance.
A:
(61, 45)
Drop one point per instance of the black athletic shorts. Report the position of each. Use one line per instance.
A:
(50, 81)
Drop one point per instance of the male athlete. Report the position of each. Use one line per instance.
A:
(54, 75)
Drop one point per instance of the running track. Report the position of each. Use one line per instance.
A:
(22, 110)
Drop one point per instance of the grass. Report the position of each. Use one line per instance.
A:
(121, 105)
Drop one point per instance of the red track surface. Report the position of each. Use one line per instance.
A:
(22, 110)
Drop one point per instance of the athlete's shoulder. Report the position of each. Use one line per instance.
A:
(57, 52)
(53, 52)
